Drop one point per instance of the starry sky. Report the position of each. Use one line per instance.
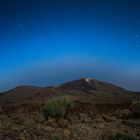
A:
(47, 42)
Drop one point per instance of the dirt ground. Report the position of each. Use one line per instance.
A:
(85, 122)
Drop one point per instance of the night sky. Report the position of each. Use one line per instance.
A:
(47, 42)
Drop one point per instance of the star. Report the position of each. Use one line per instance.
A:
(89, 2)
(110, 3)
(138, 18)
(130, 29)
(61, 42)
(21, 27)
(20, 24)
(17, 16)
(137, 36)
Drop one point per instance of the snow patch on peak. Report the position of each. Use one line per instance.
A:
(88, 80)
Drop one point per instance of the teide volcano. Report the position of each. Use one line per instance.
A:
(91, 84)
(84, 84)
(86, 89)
(98, 112)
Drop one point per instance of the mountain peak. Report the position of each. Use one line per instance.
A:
(83, 84)
(88, 84)
(88, 80)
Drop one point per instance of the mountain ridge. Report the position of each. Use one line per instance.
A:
(83, 87)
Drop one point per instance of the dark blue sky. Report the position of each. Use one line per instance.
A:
(46, 42)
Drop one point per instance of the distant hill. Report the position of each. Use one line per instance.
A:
(27, 94)
(84, 89)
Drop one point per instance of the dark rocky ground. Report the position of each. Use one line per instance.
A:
(85, 121)
(98, 113)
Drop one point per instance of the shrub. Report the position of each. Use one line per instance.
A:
(58, 106)
(121, 136)
(56, 138)
(136, 108)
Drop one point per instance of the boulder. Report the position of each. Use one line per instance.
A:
(67, 133)
(63, 123)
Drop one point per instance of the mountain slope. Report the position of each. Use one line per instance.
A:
(88, 84)
(27, 94)
(94, 91)
(84, 90)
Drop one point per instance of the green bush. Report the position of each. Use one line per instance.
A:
(56, 138)
(58, 106)
(136, 108)
(121, 136)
